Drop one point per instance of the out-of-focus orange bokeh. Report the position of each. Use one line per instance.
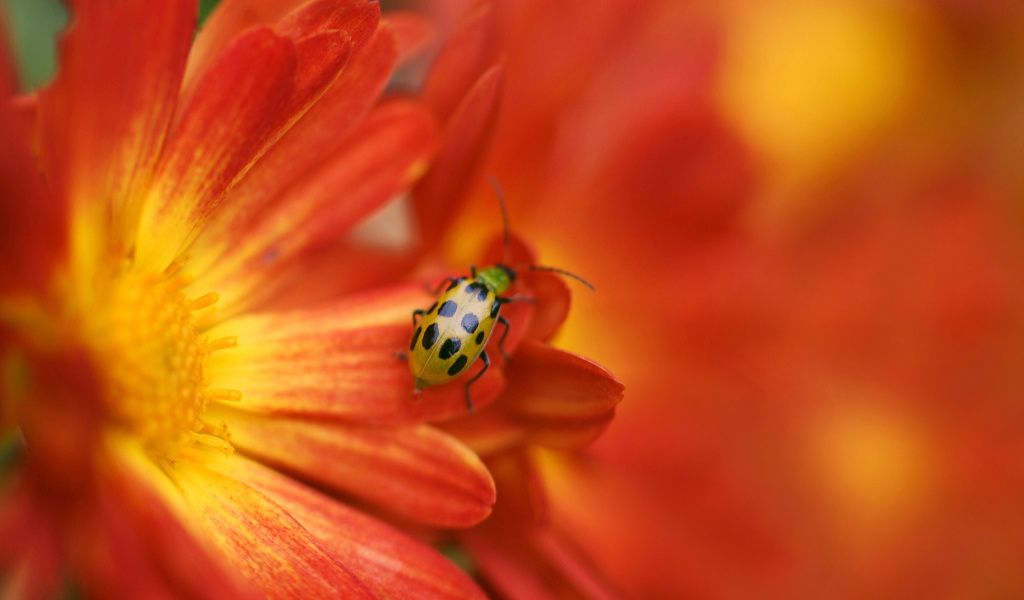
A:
(804, 223)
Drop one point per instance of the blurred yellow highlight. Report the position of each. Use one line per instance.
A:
(810, 83)
(875, 464)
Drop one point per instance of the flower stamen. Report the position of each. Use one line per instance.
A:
(230, 341)
(204, 301)
(222, 395)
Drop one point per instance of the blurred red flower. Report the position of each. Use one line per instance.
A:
(801, 222)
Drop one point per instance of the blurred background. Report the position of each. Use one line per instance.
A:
(804, 220)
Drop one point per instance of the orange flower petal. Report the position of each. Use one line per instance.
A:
(488, 433)
(391, 563)
(376, 164)
(416, 472)
(321, 132)
(104, 119)
(467, 133)
(340, 361)
(141, 501)
(201, 165)
(565, 400)
(230, 120)
(269, 546)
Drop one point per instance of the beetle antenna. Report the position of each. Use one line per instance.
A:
(504, 216)
(560, 272)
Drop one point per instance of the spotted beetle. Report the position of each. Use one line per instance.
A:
(449, 336)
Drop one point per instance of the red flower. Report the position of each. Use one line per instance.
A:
(174, 392)
(800, 219)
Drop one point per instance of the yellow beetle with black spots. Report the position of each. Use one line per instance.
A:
(449, 336)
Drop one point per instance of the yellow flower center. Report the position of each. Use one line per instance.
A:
(148, 345)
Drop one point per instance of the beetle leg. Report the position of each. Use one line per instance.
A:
(487, 363)
(417, 313)
(501, 342)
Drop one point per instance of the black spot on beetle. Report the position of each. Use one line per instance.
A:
(430, 336)
(479, 338)
(455, 283)
(458, 365)
(449, 348)
(495, 308)
(479, 289)
(447, 309)
(470, 322)
(415, 337)
(432, 307)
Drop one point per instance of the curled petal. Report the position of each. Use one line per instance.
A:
(340, 360)
(391, 563)
(269, 546)
(465, 57)
(414, 471)
(233, 17)
(565, 399)
(467, 134)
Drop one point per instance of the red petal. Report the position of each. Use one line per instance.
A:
(377, 163)
(393, 564)
(321, 51)
(323, 131)
(271, 549)
(29, 544)
(564, 399)
(32, 220)
(414, 34)
(105, 118)
(488, 433)
(340, 361)
(416, 472)
(234, 112)
(183, 556)
(441, 191)
(233, 17)
(466, 56)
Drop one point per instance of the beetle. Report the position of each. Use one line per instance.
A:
(449, 336)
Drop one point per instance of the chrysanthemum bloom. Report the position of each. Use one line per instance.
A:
(160, 198)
